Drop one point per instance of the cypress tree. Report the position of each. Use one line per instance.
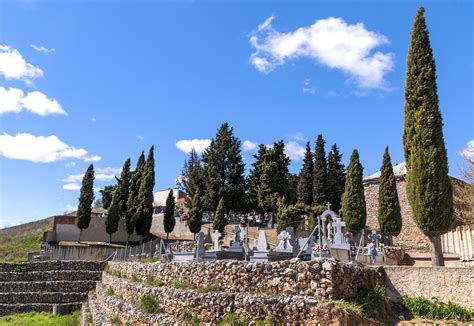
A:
(320, 182)
(195, 213)
(253, 181)
(168, 219)
(224, 170)
(390, 218)
(336, 178)
(293, 180)
(145, 196)
(282, 216)
(429, 188)
(219, 217)
(305, 185)
(192, 177)
(107, 194)
(353, 199)
(118, 207)
(133, 205)
(86, 198)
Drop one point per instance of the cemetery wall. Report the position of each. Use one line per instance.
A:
(322, 280)
(454, 284)
(53, 265)
(410, 238)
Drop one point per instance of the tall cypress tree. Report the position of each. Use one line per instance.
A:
(168, 219)
(195, 213)
(220, 222)
(192, 177)
(107, 194)
(253, 181)
(133, 205)
(320, 182)
(390, 218)
(86, 198)
(145, 196)
(118, 207)
(336, 178)
(305, 185)
(429, 188)
(224, 170)
(353, 200)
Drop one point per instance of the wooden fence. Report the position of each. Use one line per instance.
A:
(97, 253)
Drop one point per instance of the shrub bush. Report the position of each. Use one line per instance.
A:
(149, 304)
(421, 307)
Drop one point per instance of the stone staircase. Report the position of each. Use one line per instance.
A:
(61, 286)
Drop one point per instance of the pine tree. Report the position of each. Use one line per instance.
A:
(133, 205)
(224, 170)
(336, 178)
(390, 218)
(107, 194)
(274, 177)
(305, 185)
(429, 188)
(145, 196)
(86, 198)
(118, 207)
(320, 182)
(195, 213)
(168, 220)
(219, 217)
(353, 199)
(253, 181)
(293, 180)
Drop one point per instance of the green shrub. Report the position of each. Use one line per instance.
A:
(349, 306)
(115, 319)
(135, 277)
(89, 319)
(149, 304)
(231, 319)
(20, 269)
(154, 282)
(110, 291)
(177, 285)
(149, 260)
(209, 288)
(421, 307)
(190, 318)
(372, 298)
(267, 321)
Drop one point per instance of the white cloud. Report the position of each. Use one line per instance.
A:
(42, 49)
(13, 66)
(93, 158)
(307, 88)
(72, 186)
(199, 145)
(39, 149)
(468, 152)
(299, 136)
(70, 208)
(249, 145)
(70, 164)
(331, 42)
(15, 100)
(109, 170)
(294, 151)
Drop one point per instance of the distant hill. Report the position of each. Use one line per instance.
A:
(17, 241)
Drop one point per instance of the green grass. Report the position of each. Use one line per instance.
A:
(154, 282)
(110, 291)
(190, 318)
(177, 285)
(116, 319)
(268, 321)
(231, 319)
(349, 306)
(40, 319)
(149, 260)
(113, 272)
(369, 301)
(20, 269)
(436, 310)
(135, 277)
(209, 288)
(149, 304)
(17, 241)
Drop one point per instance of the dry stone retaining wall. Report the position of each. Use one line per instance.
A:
(321, 280)
(54, 265)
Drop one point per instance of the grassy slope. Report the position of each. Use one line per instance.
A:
(41, 319)
(17, 241)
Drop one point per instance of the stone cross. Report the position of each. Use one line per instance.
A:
(200, 250)
(262, 244)
(337, 227)
(215, 240)
(284, 245)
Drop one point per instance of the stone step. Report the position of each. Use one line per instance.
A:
(104, 307)
(6, 309)
(41, 297)
(48, 286)
(68, 275)
(54, 265)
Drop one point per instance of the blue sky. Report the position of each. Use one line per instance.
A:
(101, 81)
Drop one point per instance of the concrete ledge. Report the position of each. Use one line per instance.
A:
(47, 286)
(55, 265)
(42, 297)
(6, 309)
(68, 275)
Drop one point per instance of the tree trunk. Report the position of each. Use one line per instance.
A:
(110, 240)
(80, 234)
(437, 258)
(128, 239)
(167, 236)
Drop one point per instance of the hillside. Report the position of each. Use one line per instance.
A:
(17, 241)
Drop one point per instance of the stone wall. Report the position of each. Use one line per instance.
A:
(444, 283)
(410, 238)
(322, 280)
(54, 265)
